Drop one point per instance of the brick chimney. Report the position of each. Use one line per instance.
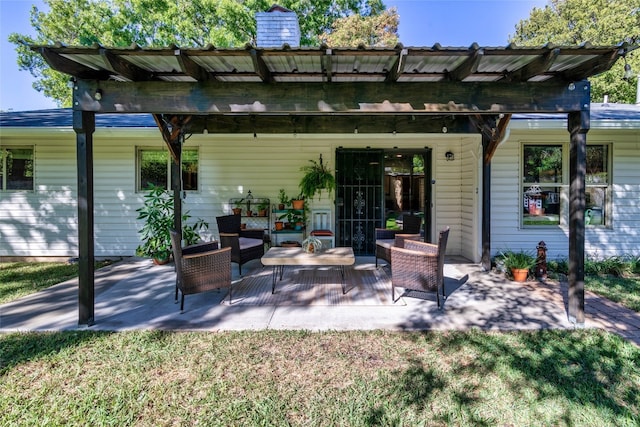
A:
(276, 27)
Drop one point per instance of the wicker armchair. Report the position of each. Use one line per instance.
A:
(200, 268)
(245, 244)
(419, 266)
(387, 238)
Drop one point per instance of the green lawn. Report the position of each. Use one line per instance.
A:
(624, 290)
(559, 378)
(18, 279)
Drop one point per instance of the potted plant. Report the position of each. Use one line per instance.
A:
(262, 208)
(298, 202)
(518, 263)
(237, 210)
(316, 178)
(283, 199)
(157, 212)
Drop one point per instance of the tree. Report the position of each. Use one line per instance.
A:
(354, 30)
(155, 23)
(599, 22)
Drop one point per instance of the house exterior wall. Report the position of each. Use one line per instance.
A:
(44, 222)
(620, 237)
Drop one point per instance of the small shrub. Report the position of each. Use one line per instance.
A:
(634, 264)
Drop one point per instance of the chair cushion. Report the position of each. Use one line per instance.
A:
(246, 242)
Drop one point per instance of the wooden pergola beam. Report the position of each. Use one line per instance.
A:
(367, 98)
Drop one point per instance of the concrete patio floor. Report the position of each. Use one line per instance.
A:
(136, 295)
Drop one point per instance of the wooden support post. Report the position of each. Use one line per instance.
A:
(485, 260)
(176, 183)
(578, 126)
(84, 126)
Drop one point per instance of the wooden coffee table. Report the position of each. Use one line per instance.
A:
(278, 258)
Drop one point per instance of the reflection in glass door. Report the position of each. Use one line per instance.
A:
(407, 188)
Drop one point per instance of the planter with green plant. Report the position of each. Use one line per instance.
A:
(283, 200)
(158, 214)
(263, 205)
(518, 264)
(317, 177)
(237, 209)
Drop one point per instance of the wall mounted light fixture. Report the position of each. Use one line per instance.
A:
(449, 156)
(98, 95)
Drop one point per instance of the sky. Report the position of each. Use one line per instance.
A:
(452, 23)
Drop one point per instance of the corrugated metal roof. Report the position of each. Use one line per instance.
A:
(411, 64)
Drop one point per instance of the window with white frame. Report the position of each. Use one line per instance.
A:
(545, 191)
(16, 168)
(153, 167)
(598, 183)
(543, 183)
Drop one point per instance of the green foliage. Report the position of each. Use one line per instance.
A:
(576, 378)
(600, 22)
(518, 260)
(158, 214)
(316, 177)
(355, 30)
(154, 23)
(283, 198)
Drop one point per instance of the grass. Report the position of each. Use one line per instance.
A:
(623, 290)
(19, 279)
(471, 378)
(474, 378)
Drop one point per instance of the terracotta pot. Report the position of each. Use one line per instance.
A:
(243, 226)
(520, 274)
(297, 204)
(161, 261)
(281, 207)
(279, 225)
(237, 211)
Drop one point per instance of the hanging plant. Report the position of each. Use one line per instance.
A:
(316, 177)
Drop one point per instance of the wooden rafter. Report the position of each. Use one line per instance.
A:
(68, 66)
(396, 69)
(191, 68)
(124, 68)
(539, 65)
(260, 67)
(468, 66)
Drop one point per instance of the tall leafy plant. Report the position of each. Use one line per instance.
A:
(158, 214)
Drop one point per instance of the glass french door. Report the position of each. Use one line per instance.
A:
(358, 198)
(375, 189)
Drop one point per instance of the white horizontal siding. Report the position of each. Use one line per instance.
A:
(623, 237)
(44, 222)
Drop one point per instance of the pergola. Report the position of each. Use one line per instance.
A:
(331, 90)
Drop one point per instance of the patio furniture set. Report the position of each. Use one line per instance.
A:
(203, 267)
